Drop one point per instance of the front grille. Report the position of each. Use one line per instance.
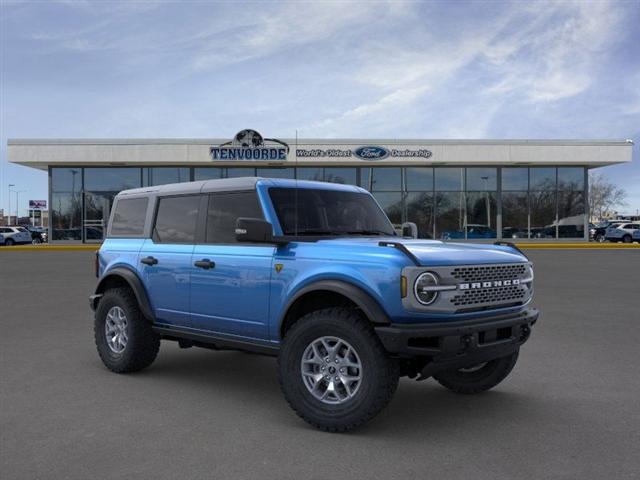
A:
(511, 294)
(486, 273)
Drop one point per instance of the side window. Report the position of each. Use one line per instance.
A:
(224, 209)
(176, 219)
(128, 217)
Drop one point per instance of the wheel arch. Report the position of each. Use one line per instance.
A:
(122, 276)
(335, 291)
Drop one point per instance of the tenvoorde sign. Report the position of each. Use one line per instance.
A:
(250, 145)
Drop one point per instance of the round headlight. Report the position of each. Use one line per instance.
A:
(423, 288)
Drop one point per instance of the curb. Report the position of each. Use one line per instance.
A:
(579, 246)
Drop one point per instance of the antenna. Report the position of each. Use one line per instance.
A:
(295, 200)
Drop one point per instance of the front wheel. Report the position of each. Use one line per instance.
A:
(333, 370)
(599, 238)
(9, 242)
(478, 378)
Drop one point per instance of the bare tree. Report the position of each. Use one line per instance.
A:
(604, 196)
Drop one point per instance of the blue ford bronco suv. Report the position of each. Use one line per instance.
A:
(315, 274)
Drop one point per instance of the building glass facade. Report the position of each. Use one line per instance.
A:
(456, 203)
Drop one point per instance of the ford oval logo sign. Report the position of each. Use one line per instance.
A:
(371, 153)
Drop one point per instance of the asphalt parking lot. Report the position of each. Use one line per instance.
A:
(570, 409)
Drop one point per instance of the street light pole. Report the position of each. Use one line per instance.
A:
(9, 212)
(18, 192)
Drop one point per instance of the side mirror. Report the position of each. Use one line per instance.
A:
(255, 230)
(409, 229)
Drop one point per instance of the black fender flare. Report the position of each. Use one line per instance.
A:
(134, 283)
(364, 301)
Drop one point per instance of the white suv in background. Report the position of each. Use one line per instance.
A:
(15, 235)
(622, 232)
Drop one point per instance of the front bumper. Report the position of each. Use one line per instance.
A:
(451, 345)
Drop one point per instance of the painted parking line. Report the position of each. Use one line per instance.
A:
(584, 246)
(47, 248)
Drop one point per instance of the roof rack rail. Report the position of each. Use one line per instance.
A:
(402, 248)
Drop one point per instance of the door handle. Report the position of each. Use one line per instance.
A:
(149, 260)
(205, 263)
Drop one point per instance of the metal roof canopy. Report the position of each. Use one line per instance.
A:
(42, 153)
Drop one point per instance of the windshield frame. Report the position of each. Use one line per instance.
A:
(314, 234)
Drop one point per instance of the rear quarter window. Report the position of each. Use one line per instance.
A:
(176, 219)
(129, 217)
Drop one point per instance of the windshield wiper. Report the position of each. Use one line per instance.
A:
(311, 231)
(370, 232)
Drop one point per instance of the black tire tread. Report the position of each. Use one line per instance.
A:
(500, 369)
(145, 342)
(390, 374)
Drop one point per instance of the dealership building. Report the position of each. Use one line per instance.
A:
(450, 189)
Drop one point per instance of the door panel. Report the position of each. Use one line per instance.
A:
(167, 282)
(233, 296)
(168, 252)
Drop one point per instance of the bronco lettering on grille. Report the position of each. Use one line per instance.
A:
(495, 283)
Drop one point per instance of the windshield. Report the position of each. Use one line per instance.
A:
(328, 212)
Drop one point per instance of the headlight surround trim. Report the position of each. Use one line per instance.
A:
(434, 294)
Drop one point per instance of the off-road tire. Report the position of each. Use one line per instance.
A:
(490, 375)
(142, 344)
(380, 374)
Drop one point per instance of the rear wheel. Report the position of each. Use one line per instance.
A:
(124, 338)
(333, 370)
(626, 238)
(478, 378)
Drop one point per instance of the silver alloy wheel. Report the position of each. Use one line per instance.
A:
(115, 329)
(331, 370)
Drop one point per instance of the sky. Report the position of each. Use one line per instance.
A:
(374, 69)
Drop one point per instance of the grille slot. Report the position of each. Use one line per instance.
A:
(490, 295)
(493, 295)
(488, 272)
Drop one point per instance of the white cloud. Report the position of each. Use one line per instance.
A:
(553, 56)
(541, 52)
(293, 24)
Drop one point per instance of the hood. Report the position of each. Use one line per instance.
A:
(435, 252)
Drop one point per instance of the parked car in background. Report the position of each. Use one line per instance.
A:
(599, 232)
(38, 234)
(622, 232)
(542, 232)
(514, 232)
(15, 235)
(473, 232)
